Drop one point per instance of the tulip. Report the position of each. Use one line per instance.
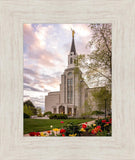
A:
(98, 127)
(103, 121)
(37, 134)
(84, 126)
(32, 133)
(82, 130)
(49, 132)
(62, 131)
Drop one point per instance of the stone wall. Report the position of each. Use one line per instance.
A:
(51, 100)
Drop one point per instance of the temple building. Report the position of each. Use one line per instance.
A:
(73, 90)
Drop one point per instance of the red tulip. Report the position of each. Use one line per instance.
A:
(49, 132)
(98, 127)
(84, 126)
(93, 131)
(61, 122)
(62, 131)
(63, 135)
(86, 122)
(37, 134)
(103, 121)
(107, 122)
(110, 121)
(32, 133)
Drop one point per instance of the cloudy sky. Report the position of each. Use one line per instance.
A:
(46, 48)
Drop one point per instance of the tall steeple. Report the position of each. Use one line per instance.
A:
(72, 55)
(73, 44)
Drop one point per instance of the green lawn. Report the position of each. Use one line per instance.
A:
(38, 125)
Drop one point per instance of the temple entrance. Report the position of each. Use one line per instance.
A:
(61, 110)
(69, 111)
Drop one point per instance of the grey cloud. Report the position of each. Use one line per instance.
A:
(29, 88)
(26, 80)
(29, 71)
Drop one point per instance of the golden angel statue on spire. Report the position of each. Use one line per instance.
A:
(73, 32)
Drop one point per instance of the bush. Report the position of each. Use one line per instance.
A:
(47, 113)
(106, 128)
(97, 112)
(25, 115)
(72, 128)
(39, 115)
(58, 116)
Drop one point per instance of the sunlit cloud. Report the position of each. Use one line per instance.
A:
(80, 29)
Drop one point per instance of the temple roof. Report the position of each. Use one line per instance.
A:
(73, 47)
(73, 43)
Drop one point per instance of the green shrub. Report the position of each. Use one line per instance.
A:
(58, 116)
(39, 115)
(97, 112)
(25, 115)
(72, 128)
(47, 113)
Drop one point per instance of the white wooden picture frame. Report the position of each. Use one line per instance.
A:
(13, 14)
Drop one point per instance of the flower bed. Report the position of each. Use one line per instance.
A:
(101, 127)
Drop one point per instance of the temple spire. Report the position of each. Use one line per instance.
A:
(73, 43)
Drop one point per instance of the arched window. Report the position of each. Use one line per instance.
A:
(71, 61)
(69, 90)
(61, 110)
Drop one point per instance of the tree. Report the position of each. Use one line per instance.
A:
(39, 112)
(47, 113)
(98, 64)
(30, 107)
(27, 110)
(101, 95)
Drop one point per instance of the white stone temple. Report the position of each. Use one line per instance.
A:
(73, 90)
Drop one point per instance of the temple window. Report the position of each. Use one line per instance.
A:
(71, 61)
(69, 90)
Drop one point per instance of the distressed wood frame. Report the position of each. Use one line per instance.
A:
(13, 14)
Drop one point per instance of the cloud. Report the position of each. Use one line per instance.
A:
(29, 88)
(80, 29)
(36, 46)
(29, 71)
(35, 81)
(26, 80)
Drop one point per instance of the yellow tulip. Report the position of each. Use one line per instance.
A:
(72, 135)
(42, 133)
(56, 129)
(82, 130)
(94, 125)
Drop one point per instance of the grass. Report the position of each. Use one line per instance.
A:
(38, 125)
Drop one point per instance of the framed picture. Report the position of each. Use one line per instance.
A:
(14, 15)
(67, 79)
